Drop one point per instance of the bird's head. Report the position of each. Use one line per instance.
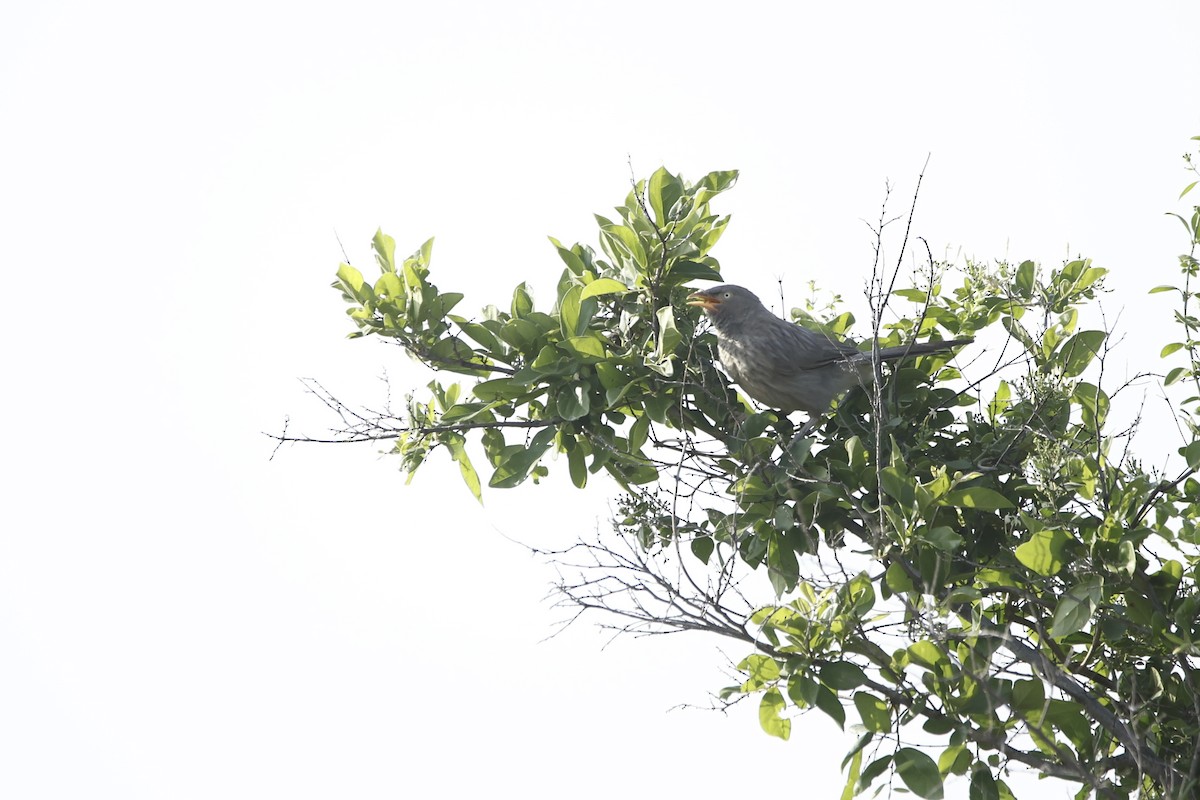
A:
(726, 303)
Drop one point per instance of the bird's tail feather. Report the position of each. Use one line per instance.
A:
(919, 348)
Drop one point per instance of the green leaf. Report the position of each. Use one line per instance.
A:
(842, 676)
(769, 711)
(783, 570)
(479, 333)
(943, 538)
(873, 771)
(802, 689)
(522, 303)
(1024, 278)
(520, 334)
(1170, 348)
(919, 773)
(1183, 221)
(603, 286)
(470, 477)
(1029, 695)
(499, 389)
(1076, 608)
(983, 785)
(852, 776)
(639, 432)
(420, 259)
(762, 670)
(455, 355)
(1046, 551)
(389, 287)
(443, 303)
(897, 485)
(798, 451)
(1000, 403)
(928, 655)
(1093, 402)
(862, 742)
(897, 579)
(1158, 289)
(977, 497)
(718, 181)
(572, 260)
(702, 548)
(351, 277)
(1191, 454)
(875, 712)
(577, 467)
(683, 271)
(668, 339)
(551, 361)
(664, 191)
(955, 760)
(1126, 561)
(963, 594)
(385, 251)
(623, 240)
(569, 310)
(1070, 719)
(573, 401)
(587, 346)
(669, 336)
(628, 474)
(1019, 333)
(1079, 351)
(828, 702)
(610, 377)
(515, 461)
(1187, 189)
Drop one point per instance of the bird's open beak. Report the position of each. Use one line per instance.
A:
(704, 300)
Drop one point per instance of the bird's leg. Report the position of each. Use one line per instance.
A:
(806, 428)
(792, 455)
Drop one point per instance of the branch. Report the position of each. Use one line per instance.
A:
(358, 438)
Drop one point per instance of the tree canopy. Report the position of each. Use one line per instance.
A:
(965, 560)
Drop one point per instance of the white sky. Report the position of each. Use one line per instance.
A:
(181, 618)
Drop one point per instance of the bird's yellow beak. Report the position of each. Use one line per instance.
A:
(703, 300)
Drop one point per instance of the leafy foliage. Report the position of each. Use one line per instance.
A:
(968, 557)
(600, 358)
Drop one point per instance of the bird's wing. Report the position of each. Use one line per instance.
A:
(797, 349)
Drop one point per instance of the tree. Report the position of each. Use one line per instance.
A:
(967, 559)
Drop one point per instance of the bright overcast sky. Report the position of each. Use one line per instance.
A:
(182, 618)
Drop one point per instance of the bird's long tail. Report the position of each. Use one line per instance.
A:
(918, 348)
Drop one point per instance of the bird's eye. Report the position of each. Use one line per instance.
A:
(727, 294)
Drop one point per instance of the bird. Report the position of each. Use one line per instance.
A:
(785, 366)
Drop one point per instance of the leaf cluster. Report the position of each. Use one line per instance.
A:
(965, 563)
